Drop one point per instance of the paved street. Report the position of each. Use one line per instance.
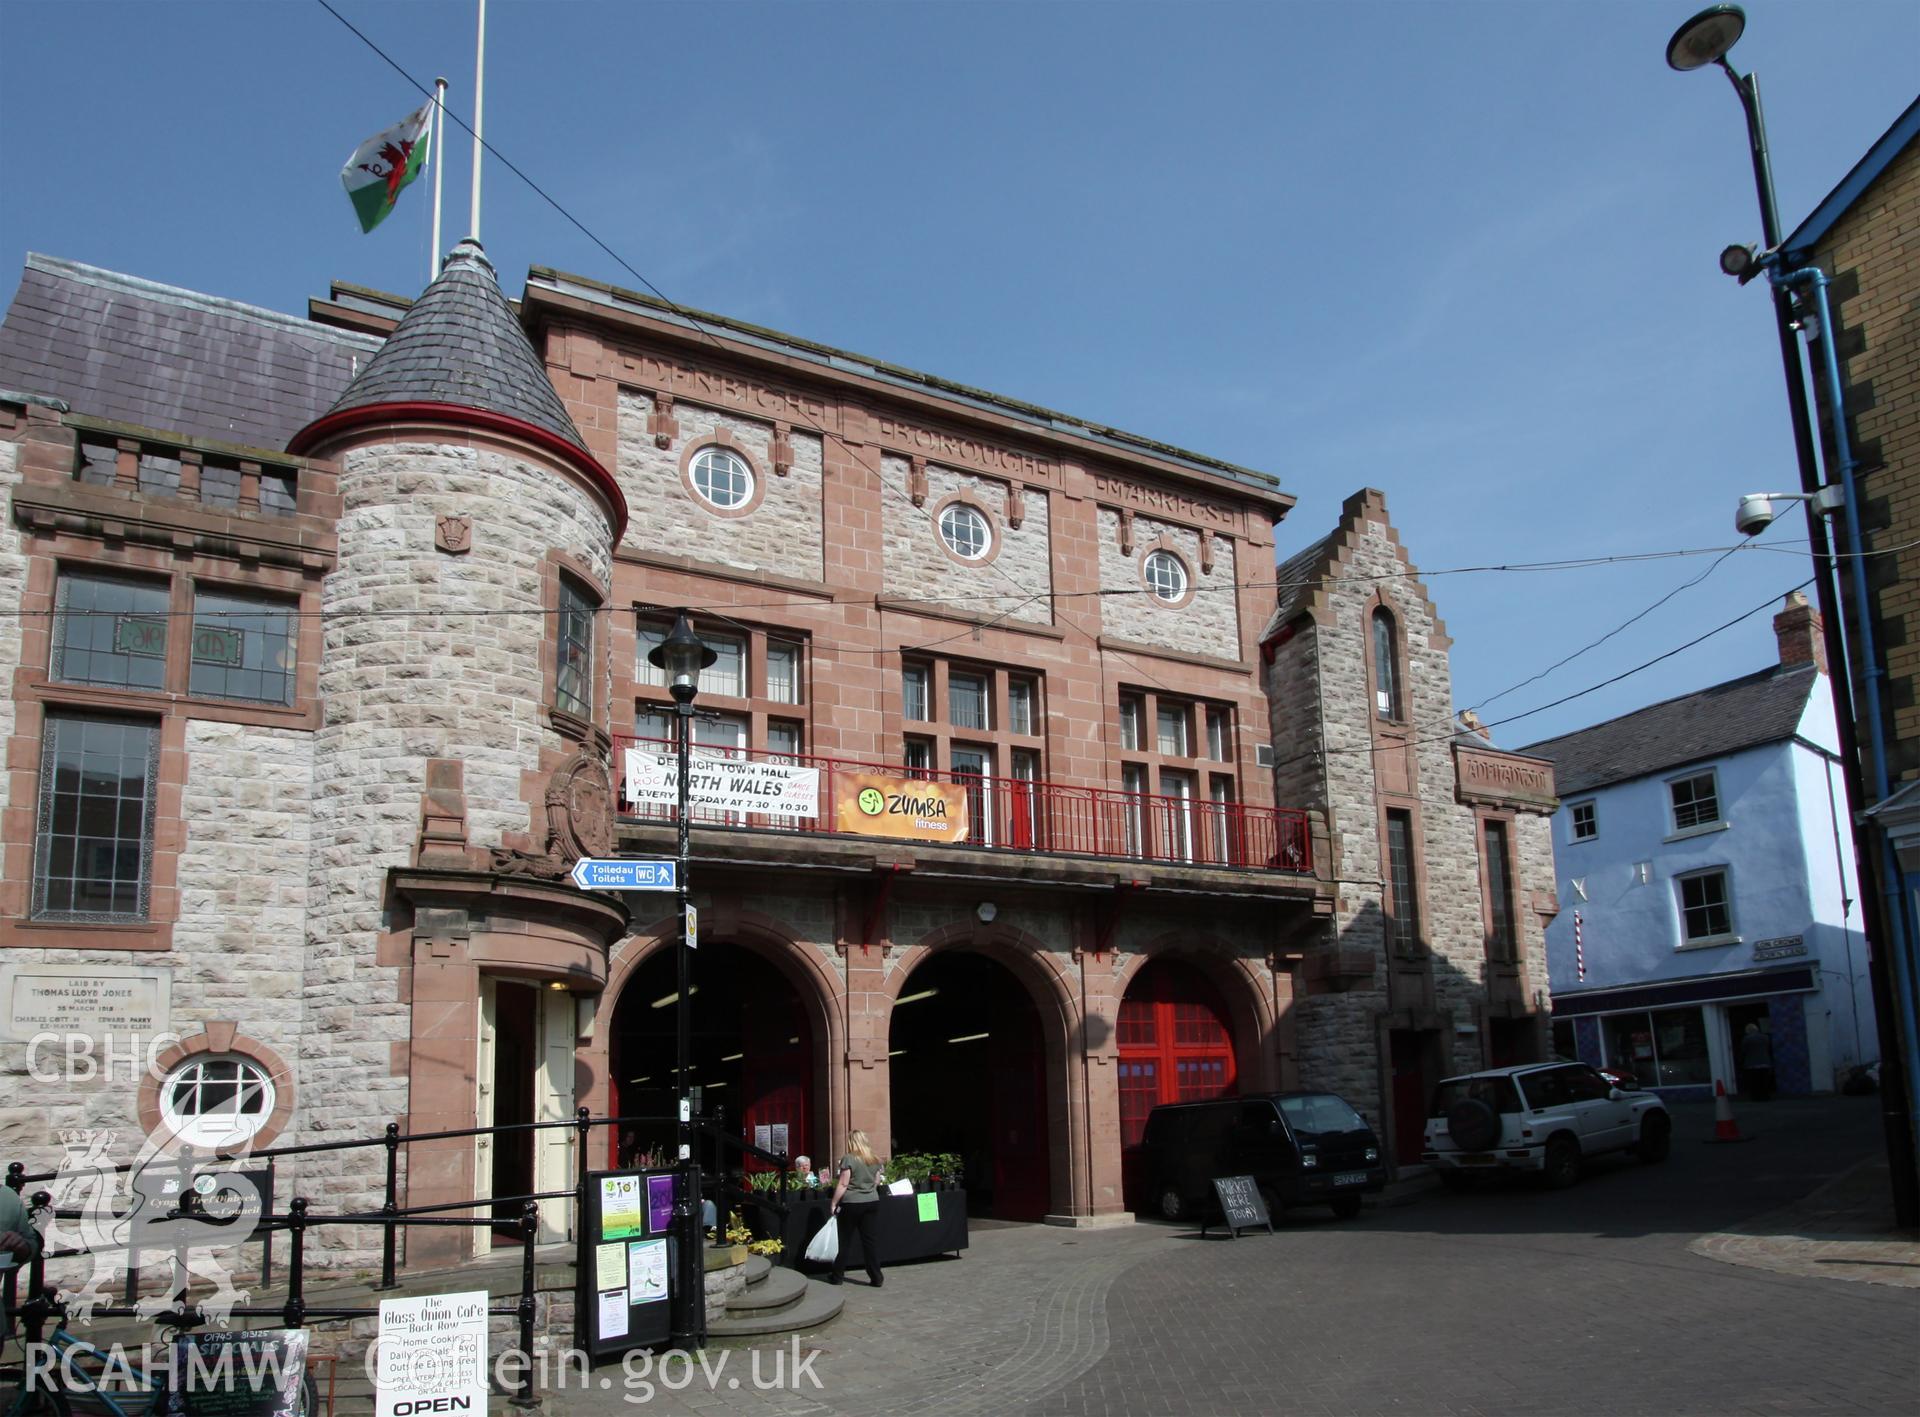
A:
(1507, 1299)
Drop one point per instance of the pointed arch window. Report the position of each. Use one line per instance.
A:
(1386, 667)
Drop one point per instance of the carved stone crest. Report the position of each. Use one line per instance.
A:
(580, 810)
(454, 534)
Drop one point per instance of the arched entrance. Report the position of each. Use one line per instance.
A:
(752, 1053)
(1175, 1045)
(968, 1074)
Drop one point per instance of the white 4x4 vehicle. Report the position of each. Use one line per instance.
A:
(1540, 1117)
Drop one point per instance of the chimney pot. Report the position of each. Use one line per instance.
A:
(1798, 629)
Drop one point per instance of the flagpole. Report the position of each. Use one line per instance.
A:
(439, 172)
(479, 101)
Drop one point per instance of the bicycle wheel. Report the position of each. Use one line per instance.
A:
(16, 1401)
(309, 1403)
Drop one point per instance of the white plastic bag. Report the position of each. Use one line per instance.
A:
(824, 1247)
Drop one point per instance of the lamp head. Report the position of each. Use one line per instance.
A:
(1706, 38)
(1739, 261)
(682, 655)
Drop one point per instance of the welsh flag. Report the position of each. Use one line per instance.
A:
(385, 163)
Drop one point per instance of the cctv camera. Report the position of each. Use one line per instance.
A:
(1738, 261)
(1755, 514)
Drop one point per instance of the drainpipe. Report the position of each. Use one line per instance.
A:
(1870, 671)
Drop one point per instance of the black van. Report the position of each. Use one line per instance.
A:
(1301, 1148)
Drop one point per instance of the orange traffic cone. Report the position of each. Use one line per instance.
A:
(1724, 1127)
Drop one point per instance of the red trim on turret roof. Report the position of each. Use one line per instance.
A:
(345, 420)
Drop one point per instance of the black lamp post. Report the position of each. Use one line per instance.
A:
(682, 656)
(1703, 40)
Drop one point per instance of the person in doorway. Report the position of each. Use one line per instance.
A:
(856, 1206)
(1756, 1064)
(804, 1165)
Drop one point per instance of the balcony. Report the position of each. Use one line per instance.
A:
(1019, 816)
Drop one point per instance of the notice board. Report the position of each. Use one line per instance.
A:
(1241, 1203)
(256, 1373)
(625, 1293)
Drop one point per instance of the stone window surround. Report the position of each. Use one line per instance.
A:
(996, 538)
(220, 1037)
(757, 707)
(723, 438)
(568, 725)
(1482, 816)
(169, 708)
(942, 736)
(1197, 764)
(1402, 718)
(1417, 843)
(1140, 567)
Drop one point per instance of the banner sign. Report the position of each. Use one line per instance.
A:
(909, 808)
(723, 784)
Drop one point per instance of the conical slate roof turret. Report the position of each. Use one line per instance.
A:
(460, 355)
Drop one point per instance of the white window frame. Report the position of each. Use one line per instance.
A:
(1168, 589)
(705, 461)
(977, 521)
(1731, 936)
(1718, 822)
(200, 1127)
(783, 688)
(916, 693)
(1573, 820)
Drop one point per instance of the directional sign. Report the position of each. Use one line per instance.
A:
(693, 928)
(598, 874)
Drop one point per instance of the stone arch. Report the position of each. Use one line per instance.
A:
(1246, 985)
(1055, 988)
(819, 985)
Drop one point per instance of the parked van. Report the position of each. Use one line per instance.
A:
(1301, 1148)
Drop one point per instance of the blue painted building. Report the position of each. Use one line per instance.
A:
(1707, 883)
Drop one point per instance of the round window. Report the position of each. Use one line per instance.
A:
(722, 478)
(217, 1099)
(1166, 577)
(965, 531)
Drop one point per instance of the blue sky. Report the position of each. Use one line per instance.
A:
(1463, 252)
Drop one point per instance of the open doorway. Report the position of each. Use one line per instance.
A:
(524, 1074)
(1174, 1046)
(969, 1079)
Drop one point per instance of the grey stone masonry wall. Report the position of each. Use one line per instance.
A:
(400, 688)
(782, 534)
(1209, 623)
(1014, 583)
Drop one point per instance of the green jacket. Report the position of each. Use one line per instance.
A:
(13, 1216)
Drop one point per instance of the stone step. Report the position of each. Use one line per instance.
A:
(758, 1267)
(819, 1304)
(778, 1289)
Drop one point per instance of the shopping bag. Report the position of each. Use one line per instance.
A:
(824, 1247)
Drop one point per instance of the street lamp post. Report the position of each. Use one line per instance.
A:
(1701, 41)
(682, 656)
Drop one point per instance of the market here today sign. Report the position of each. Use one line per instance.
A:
(721, 784)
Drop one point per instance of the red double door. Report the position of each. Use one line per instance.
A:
(1174, 1046)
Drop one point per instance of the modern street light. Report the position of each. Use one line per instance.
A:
(682, 655)
(1703, 40)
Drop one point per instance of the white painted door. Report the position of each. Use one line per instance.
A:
(483, 1076)
(553, 1102)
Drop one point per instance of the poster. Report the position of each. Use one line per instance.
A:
(646, 1271)
(609, 1267)
(779, 1138)
(613, 1314)
(910, 808)
(929, 1206)
(725, 784)
(432, 1354)
(763, 1137)
(255, 1373)
(659, 1204)
(619, 1207)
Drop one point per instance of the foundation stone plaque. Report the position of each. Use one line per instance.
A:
(98, 1000)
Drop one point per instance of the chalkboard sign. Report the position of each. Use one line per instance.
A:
(252, 1374)
(623, 1297)
(1241, 1203)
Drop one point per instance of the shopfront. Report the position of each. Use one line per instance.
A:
(1680, 1038)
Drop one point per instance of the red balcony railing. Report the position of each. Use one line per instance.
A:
(1015, 814)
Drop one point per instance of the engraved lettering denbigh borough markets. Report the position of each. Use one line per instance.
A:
(951, 447)
(694, 382)
(1159, 499)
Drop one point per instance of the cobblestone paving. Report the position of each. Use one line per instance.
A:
(1506, 1300)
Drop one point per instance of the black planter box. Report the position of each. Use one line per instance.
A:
(903, 1234)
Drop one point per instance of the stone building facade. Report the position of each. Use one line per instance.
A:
(342, 670)
(1441, 848)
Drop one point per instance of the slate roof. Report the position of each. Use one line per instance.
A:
(1296, 580)
(460, 344)
(1742, 713)
(116, 347)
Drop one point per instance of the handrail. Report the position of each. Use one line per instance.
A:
(1032, 815)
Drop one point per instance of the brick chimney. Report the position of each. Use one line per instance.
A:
(1798, 629)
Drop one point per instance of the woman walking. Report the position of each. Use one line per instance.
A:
(856, 1205)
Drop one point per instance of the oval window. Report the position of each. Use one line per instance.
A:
(1166, 576)
(217, 1100)
(965, 531)
(722, 478)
